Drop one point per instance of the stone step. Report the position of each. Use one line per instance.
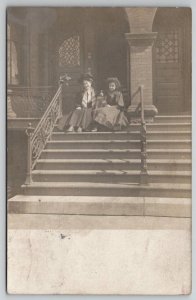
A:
(72, 136)
(107, 189)
(173, 119)
(113, 164)
(153, 135)
(86, 176)
(80, 205)
(111, 176)
(94, 144)
(113, 154)
(179, 126)
(118, 144)
(168, 127)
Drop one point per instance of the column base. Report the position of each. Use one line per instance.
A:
(10, 112)
(150, 111)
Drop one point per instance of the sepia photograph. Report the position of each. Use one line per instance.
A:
(99, 147)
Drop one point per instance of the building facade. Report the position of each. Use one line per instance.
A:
(141, 46)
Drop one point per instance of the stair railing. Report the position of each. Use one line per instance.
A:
(144, 169)
(38, 137)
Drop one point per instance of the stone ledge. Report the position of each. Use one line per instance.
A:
(105, 206)
(141, 39)
(175, 207)
(150, 111)
(21, 123)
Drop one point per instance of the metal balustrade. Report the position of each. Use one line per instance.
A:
(143, 140)
(38, 137)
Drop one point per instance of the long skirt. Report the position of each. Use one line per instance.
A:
(111, 117)
(77, 118)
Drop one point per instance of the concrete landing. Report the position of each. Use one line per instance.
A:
(58, 254)
(83, 205)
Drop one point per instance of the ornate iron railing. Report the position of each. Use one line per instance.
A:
(38, 137)
(144, 168)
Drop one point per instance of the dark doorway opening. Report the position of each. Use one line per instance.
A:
(111, 47)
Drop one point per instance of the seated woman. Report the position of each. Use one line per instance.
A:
(112, 115)
(81, 117)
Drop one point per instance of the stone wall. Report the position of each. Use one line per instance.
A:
(16, 162)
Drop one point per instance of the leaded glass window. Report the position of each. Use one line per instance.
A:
(69, 52)
(167, 47)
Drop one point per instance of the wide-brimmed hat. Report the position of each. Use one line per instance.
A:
(86, 76)
(115, 80)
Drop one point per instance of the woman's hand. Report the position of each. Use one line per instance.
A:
(79, 107)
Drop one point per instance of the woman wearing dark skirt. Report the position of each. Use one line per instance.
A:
(112, 114)
(81, 117)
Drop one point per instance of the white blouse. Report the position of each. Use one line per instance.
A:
(88, 97)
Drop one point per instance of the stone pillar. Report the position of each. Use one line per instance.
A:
(140, 46)
(34, 57)
(46, 61)
(33, 45)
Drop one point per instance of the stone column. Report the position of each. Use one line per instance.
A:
(33, 45)
(45, 56)
(140, 46)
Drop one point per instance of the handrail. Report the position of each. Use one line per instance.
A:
(51, 105)
(38, 137)
(144, 169)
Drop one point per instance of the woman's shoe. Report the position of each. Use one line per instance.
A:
(70, 129)
(94, 129)
(79, 129)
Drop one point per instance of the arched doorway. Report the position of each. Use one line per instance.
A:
(89, 40)
(171, 60)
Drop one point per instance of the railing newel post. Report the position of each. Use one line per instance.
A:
(144, 170)
(61, 81)
(29, 132)
(64, 78)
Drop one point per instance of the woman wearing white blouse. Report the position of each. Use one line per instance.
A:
(81, 117)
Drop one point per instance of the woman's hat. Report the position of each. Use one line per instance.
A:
(115, 80)
(86, 76)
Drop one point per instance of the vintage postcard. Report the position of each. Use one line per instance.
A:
(99, 150)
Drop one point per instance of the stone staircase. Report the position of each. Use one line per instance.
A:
(108, 163)
(104, 167)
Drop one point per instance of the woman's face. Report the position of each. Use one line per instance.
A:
(112, 86)
(87, 84)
